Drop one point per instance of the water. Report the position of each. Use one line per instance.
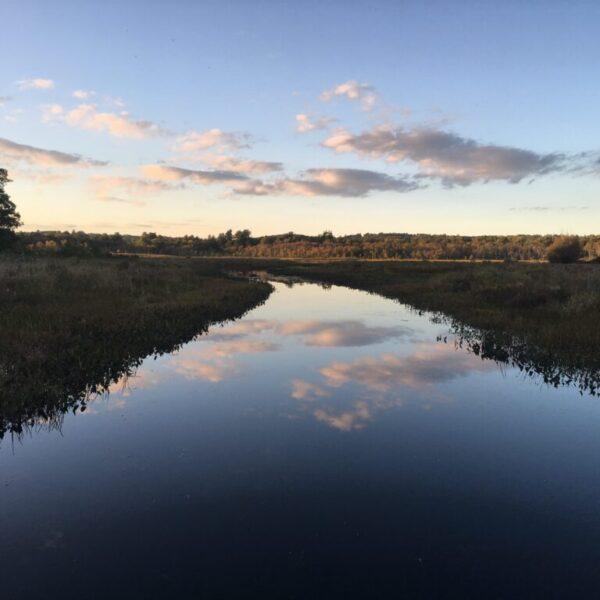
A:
(324, 445)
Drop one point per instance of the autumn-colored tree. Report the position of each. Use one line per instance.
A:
(565, 249)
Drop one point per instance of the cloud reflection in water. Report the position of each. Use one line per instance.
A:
(382, 383)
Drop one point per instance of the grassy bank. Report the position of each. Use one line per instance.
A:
(69, 328)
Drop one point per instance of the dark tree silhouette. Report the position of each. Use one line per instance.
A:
(10, 219)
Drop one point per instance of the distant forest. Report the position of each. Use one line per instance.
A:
(293, 245)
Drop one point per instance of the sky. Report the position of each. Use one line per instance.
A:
(196, 117)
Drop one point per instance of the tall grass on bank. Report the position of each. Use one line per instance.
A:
(69, 328)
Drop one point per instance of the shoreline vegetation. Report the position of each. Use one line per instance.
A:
(379, 246)
(71, 327)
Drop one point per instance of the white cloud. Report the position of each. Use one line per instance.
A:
(52, 112)
(194, 142)
(340, 333)
(315, 333)
(354, 91)
(428, 365)
(122, 125)
(12, 151)
(444, 155)
(37, 83)
(306, 123)
(83, 94)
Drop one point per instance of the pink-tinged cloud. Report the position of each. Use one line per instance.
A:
(83, 94)
(305, 390)
(37, 83)
(241, 165)
(307, 123)
(349, 420)
(14, 152)
(166, 173)
(122, 125)
(429, 365)
(354, 91)
(194, 142)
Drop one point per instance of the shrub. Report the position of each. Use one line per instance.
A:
(565, 249)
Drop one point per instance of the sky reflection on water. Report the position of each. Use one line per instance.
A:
(326, 441)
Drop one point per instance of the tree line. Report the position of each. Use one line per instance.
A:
(292, 245)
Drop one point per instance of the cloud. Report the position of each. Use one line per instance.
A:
(108, 188)
(446, 156)
(429, 365)
(315, 333)
(329, 182)
(305, 390)
(381, 382)
(547, 208)
(4, 100)
(240, 329)
(340, 333)
(122, 125)
(111, 189)
(165, 173)
(241, 165)
(41, 157)
(83, 94)
(306, 123)
(242, 346)
(190, 368)
(354, 91)
(37, 83)
(52, 112)
(348, 420)
(215, 362)
(194, 142)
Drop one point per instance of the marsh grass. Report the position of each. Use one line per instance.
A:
(69, 328)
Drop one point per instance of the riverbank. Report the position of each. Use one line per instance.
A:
(70, 328)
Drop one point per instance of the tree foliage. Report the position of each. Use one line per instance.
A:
(294, 245)
(9, 217)
(565, 249)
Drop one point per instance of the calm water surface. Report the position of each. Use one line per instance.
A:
(324, 445)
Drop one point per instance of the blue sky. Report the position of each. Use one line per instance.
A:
(351, 116)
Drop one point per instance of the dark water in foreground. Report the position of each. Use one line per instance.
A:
(324, 445)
